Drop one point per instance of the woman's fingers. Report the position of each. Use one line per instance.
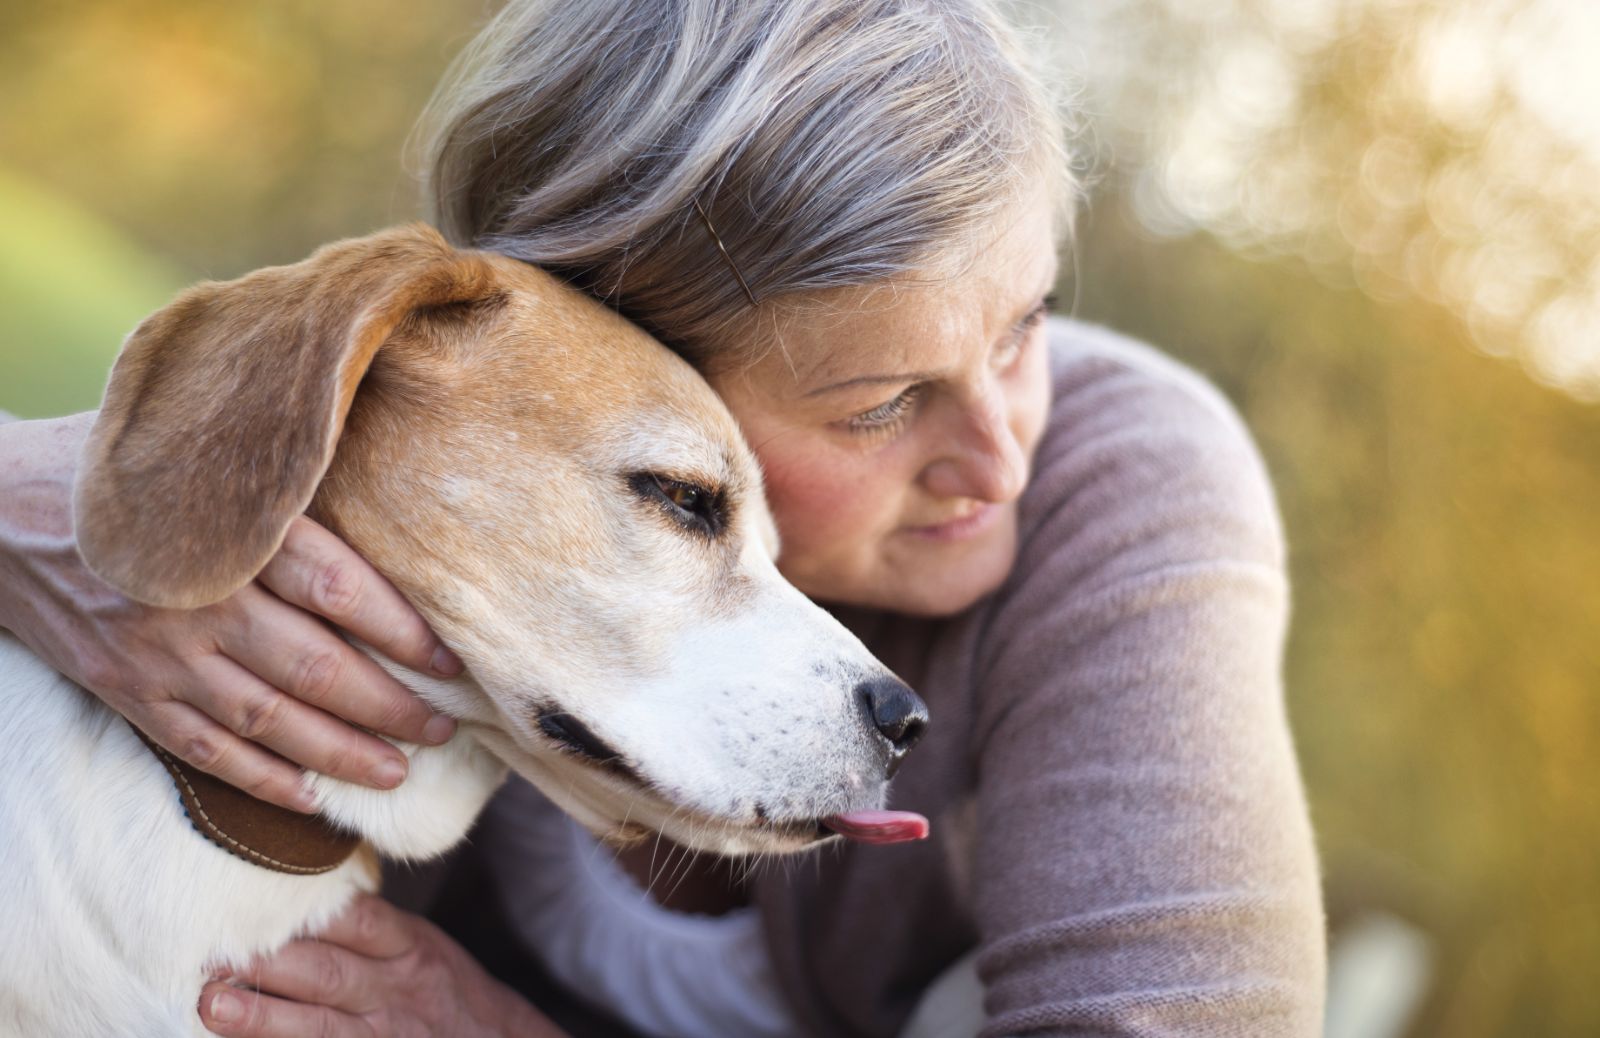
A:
(383, 967)
(249, 1014)
(301, 734)
(317, 571)
(349, 966)
(193, 737)
(291, 650)
(371, 926)
(320, 973)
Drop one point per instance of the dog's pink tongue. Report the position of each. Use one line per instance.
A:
(879, 826)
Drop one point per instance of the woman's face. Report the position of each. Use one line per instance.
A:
(896, 425)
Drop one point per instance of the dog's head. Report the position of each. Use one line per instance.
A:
(568, 504)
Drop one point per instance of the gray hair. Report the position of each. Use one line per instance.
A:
(829, 142)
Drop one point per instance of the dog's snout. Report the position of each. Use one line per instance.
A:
(896, 712)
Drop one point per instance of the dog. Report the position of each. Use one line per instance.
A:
(564, 500)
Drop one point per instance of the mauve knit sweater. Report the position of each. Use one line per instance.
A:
(1118, 820)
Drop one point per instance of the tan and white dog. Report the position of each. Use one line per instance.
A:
(567, 503)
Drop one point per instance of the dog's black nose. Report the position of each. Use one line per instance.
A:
(896, 712)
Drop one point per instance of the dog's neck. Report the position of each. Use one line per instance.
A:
(444, 790)
(253, 830)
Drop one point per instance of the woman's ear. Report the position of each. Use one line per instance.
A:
(223, 410)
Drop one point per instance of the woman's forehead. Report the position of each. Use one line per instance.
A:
(914, 324)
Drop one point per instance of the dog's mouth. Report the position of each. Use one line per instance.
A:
(782, 835)
(867, 826)
(575, 737)
(798, 832)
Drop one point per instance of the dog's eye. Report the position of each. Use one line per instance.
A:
(690, 499)
(697, 507)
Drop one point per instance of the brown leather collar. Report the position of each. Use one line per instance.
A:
(261, 833)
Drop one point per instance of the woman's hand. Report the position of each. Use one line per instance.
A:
(376, 971)
(246, 689)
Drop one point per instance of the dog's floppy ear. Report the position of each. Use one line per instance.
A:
(223, 410)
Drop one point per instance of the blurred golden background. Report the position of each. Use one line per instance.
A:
(1374, 223)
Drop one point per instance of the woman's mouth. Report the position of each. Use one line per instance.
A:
(960, 528)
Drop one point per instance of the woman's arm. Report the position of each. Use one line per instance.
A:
(250, 689)
(1145, 861)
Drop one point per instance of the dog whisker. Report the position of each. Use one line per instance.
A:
(653, 874)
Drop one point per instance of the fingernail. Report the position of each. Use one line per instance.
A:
(225, 1007)
(445, 663)
(389, 774)
(438, 729)
(305, 801)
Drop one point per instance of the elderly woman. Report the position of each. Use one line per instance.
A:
(846, 214)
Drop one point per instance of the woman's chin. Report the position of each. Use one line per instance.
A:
(934, 578)
(948, 595)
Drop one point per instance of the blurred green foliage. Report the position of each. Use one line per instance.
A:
(1254, 215)
(70, 288)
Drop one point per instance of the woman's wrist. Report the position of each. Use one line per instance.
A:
(39, 452)
(37, 462)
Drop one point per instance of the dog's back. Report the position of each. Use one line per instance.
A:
(103, 868)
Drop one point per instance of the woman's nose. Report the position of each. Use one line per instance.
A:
(981, 459)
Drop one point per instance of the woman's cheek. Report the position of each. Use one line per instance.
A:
(1031, 398)
(827, 510)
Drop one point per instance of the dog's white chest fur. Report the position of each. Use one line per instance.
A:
(117, 907)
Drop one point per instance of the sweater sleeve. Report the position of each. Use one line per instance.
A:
(1145, 863)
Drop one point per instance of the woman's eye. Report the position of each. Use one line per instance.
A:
(1012, 347)
(887, 415)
